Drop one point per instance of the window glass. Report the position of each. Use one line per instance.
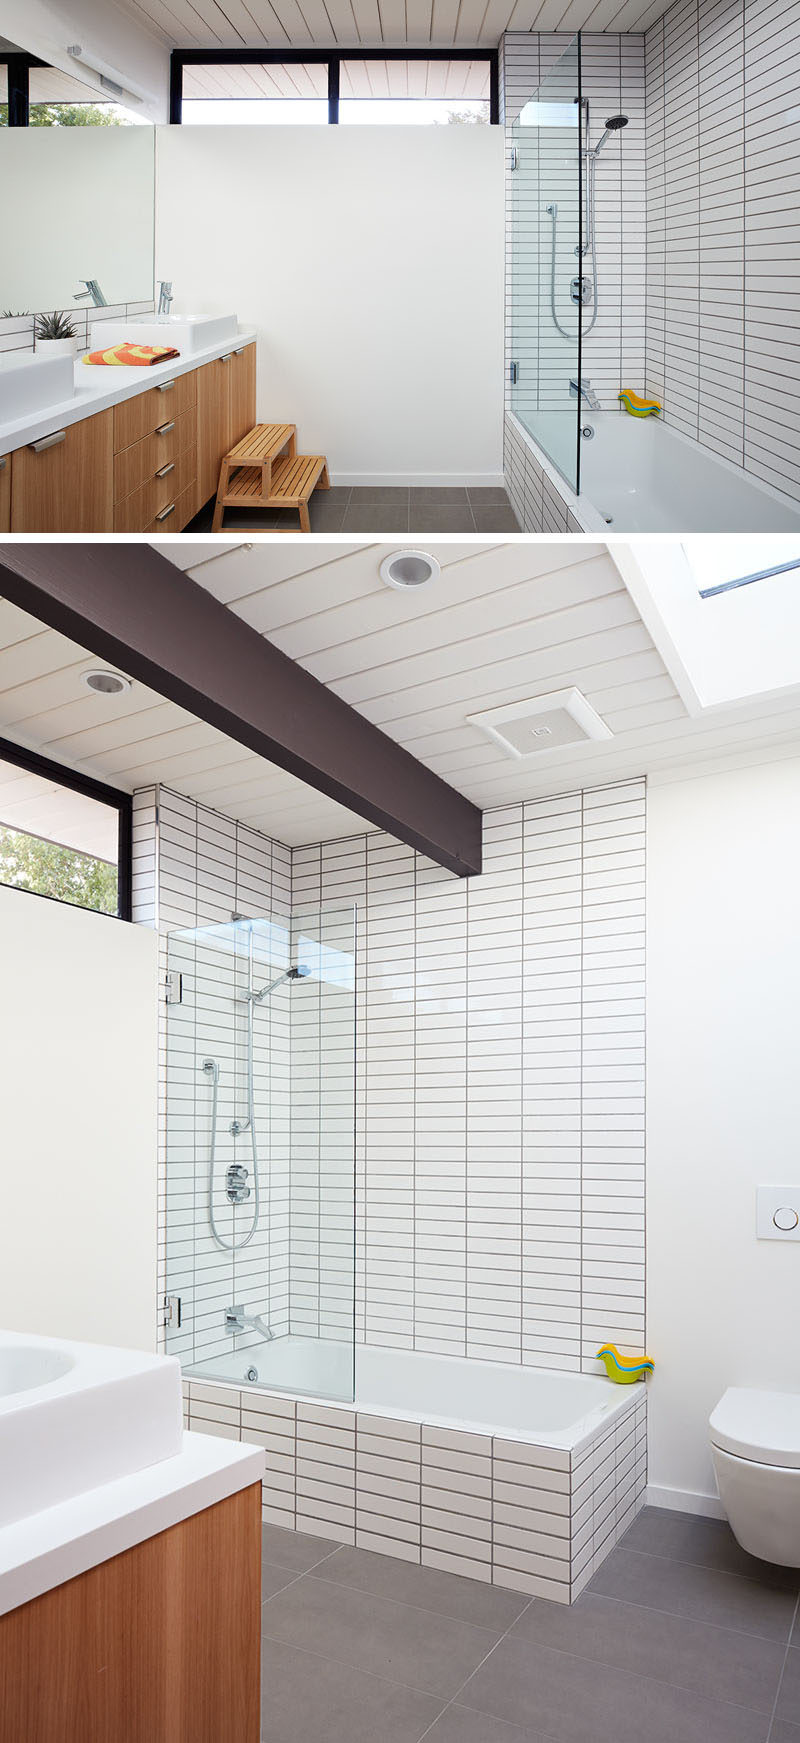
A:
(252, 95)
(414, 93)
(57, 842)
(3, 94)
(59, 100)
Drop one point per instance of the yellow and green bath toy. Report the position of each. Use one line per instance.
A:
(623, 1370)
(638, 407)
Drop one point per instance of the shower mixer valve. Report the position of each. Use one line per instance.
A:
(236, 1185)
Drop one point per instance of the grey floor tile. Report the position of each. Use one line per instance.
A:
(463, 1725)
(781, 1732)
(305, 1699)
(367, 494)
(706, 1542)
(430, 519)
(487, 496)
(295, 1550)
(495, 520)
(327, 509)
(716, 1662)
(426, 1587)
(274, 1578)
(407, 1645)
(574, 1700)
(701, 1593)
(442, 496)
(375, 517)
(788, 1708)
(795, 1640)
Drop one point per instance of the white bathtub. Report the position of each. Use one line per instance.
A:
(519, 1476)
(640, 476)
(516, 1403)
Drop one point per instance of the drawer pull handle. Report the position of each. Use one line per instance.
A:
(3, 462)
(163, 429)
(164, 386)
(163, 470)
(48, 442)
(165, 512)
(240, 350)
(227, 357)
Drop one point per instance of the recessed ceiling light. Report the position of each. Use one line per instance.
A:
(106, 683)
(407, 569)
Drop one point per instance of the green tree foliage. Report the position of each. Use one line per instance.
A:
(28, 863)
(70, 115)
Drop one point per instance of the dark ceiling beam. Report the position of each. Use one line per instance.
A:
(134, 609)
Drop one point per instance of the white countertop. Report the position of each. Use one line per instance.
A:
(47, 1548)
(100, 385)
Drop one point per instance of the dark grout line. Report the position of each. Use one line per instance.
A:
(453, 1701)
(783, 1670)
(728, 1573)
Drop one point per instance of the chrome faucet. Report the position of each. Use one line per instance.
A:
(583, 390)
(237, 1320)
(164, 295)
(92, 293)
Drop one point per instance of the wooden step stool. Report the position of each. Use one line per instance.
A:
(264, 470)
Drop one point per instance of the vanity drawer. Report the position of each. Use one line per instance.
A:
(185, 506)
(149, 411)
(138, 511)
(136, 465)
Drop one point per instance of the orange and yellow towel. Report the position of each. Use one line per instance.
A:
(128, 355)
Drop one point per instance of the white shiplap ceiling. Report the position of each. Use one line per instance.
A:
(296, 24)
(501, 624)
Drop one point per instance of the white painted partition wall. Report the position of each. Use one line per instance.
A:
(723, 1104)
(78, 1089)
(370, 259)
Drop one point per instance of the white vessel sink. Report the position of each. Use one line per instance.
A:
(74, 1416)
(185, 332)
(30, 382)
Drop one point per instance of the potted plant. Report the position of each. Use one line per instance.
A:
(56, 335)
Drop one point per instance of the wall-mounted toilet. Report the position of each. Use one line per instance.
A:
(755, 1444)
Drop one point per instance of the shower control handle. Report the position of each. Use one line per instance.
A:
(236, 1185)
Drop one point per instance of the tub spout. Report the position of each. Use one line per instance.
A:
(583, 390)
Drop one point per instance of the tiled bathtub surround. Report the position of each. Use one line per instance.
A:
(722, 189)
(500, 1067)
(534, 1519)
(614, 353)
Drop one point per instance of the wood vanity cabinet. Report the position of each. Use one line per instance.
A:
(5, 493)
(160, 1644)
(226, 410)
(145, 465)
(155, 457)
(64, 482)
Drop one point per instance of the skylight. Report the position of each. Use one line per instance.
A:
(722, 565)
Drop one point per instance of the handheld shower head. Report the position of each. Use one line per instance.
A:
(614, 124)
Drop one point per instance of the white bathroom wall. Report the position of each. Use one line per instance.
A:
(723, 1097)
(370, 260)
(78, 1067)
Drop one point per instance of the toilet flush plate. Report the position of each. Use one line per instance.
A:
(778, 1213)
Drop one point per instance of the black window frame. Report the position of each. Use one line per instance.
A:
(19, 85)
(35, 764)
(332, 58)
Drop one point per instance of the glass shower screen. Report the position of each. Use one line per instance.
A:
(260, 1151)
(547, 261)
